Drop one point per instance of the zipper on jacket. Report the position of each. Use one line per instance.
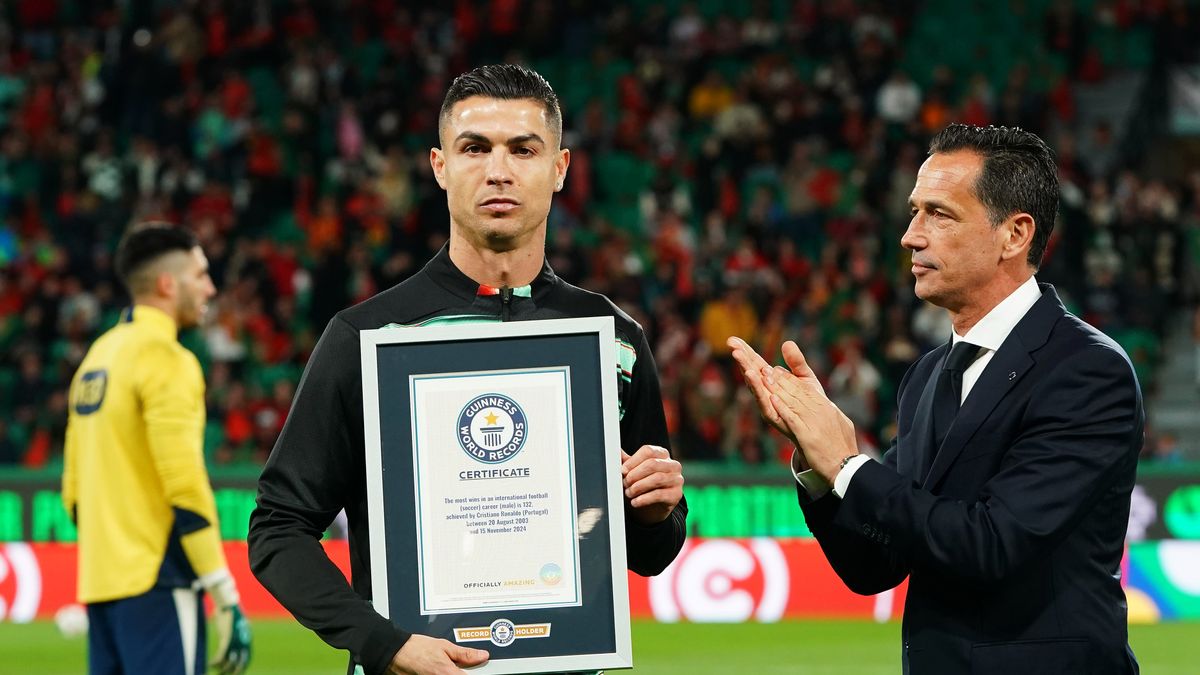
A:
(506, 294)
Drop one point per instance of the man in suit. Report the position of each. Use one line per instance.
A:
(1005, 496)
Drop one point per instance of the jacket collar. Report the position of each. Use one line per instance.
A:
(446, 274)
(152, 319)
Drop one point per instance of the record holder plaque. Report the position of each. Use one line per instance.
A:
(494, 490)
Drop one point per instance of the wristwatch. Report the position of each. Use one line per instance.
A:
(846, 460)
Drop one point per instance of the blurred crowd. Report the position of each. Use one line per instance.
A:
(736, 169)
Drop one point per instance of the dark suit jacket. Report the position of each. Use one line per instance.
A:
(1013, 541)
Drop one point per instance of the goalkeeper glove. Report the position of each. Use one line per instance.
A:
(233, 630)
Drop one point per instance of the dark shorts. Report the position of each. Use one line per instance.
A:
(159, 632)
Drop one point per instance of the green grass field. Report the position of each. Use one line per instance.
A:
(805, 647)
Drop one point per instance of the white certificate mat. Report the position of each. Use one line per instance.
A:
(493, 470)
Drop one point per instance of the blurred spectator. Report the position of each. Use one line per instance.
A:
(899, 99)
(1163, 449)
(853, 386)
(710, 97)
(729, 314)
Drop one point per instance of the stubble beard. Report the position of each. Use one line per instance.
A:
(191, 311)
(499, 234)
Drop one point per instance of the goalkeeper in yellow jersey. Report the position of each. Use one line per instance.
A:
(134, 479)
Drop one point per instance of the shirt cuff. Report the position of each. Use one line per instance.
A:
(841, 482)
(810, 480)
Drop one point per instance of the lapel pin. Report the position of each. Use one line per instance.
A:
(1012, 376)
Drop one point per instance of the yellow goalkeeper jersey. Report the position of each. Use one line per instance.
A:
(134, 477)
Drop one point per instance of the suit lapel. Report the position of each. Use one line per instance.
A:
(1004, 370)
(1002, 373)
(919, 450)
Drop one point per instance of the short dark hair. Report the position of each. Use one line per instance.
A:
(147, 242)
(1019, 175)
(505, 81)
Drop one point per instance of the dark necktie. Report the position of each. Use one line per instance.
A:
(947, 394)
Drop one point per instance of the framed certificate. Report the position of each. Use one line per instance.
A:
(494, 493)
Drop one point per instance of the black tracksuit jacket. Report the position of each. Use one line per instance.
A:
(317, 466)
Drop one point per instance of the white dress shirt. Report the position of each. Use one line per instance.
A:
(989, 333)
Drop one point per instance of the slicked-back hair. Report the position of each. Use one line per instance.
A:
(1019, 175)
(504, 81)
(144, 244)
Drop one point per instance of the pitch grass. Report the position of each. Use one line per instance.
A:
(793, 647)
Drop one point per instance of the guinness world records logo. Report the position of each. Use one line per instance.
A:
(503, 632)
(492, 428)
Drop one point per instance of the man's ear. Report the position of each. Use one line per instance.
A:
(1019, 230)
(165, 284)
(437, 160)
(560, 168)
